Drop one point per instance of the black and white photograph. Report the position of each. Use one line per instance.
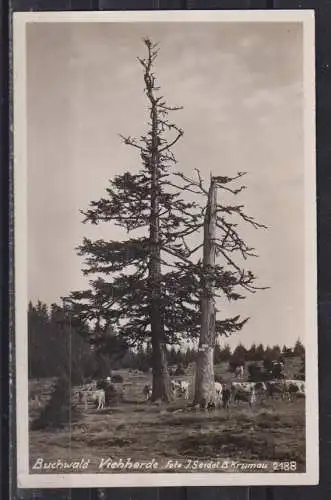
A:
(165, 248)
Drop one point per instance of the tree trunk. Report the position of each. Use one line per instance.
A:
(205, 378)
(161, 388)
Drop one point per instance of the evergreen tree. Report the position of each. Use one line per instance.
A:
(299, 349)
(217, 354)
(251, 355)
(172, 356)
(268, 354)
(226, 353)
(276, 352)
(189, 356)
(239, 354)
(39, 342)
(302, 370)
(139, 304)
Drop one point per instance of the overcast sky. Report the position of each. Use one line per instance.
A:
(241, 88)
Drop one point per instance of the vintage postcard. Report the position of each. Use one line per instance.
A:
(165, 248)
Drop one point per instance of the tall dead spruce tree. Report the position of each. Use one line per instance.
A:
(204, 383)
(220, 274)
(139, 304)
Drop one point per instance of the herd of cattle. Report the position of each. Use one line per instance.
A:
(249, 392)
(224, 395)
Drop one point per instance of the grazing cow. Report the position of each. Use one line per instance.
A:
(180, 387)
(275, 388)
(243, 391)
(99, 397)
(294, 389)
(239, 371)
(218, 389)
(242, 386)
(226, 396)
(147, 391)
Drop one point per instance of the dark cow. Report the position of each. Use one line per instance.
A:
(147, 391)
(226, 396)
(294, 389)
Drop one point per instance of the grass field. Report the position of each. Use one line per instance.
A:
(271, 432)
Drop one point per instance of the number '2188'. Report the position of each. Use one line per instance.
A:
(285, 466)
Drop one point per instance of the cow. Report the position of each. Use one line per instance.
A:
(147, 391)
(239, 371)
(275, 388)
(218, 393)
(242, 386)
(180, 387)
(99, 397)
(218, 389)
(243, 391)
(261, 389)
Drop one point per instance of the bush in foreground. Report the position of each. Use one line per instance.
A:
(59, 411)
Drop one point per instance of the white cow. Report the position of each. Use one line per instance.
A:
(180, 387)
(242, 385)
(219, 392)
(97, 396)
(218, 388)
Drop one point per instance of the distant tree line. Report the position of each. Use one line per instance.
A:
(59, 346)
